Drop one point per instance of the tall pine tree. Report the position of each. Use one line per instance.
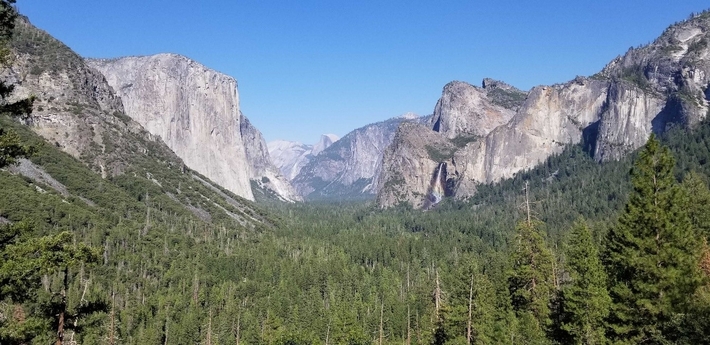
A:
(531, 282)
(585, 299)
(652, 254)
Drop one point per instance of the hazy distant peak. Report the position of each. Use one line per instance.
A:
(325, 141)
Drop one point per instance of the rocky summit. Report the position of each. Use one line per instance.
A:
(484, 134)
(195, 110)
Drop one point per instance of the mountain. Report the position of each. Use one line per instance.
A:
(92, 155)
(482, 135)
(291, 156)
(325, 141)
(195, 110)
(349, 168)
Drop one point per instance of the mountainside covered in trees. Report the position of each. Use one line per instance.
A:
(485, 134)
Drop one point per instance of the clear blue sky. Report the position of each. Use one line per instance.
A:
(310, 67)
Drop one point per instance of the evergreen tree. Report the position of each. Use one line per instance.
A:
(652, 254)
(698, 206)
(585, 300)
(531, 282)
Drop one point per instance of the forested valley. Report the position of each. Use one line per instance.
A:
(608, 252)
(572, 251)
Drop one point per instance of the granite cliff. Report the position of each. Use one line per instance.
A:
(482, 135)
(351, 166)
(195, 110)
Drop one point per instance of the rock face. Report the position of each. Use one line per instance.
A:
(195, 110)
(612, 113)
(291, 156)
(464, 109)
(408, 167)
(351, 166)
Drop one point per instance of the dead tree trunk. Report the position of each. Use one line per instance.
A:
(63, 310)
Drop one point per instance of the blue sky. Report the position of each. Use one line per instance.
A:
(310, 67)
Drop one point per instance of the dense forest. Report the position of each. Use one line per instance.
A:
(572, 251)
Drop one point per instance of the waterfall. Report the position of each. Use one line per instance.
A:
(437, 188)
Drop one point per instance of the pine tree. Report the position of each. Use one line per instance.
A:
(652, 254)
(698, 206)
(531, 281)
(585, 299)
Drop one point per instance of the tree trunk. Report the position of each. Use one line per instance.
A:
(63, 310)
(382, 312)
(470, 312)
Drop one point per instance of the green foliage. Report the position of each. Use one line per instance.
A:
(11, 148)
(637, 76)
(507, 98)
(531, 279)
(585, 299)
(440, 154)
(652, 255)
(464, 139)
(695, 186)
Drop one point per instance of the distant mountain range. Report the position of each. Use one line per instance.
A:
(343, 169)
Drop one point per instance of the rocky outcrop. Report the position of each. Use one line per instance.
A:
(262, 170)
(612, 113)
(325, 141)
(410, 163)
(75, 109)
(351, 166)
(464, 109)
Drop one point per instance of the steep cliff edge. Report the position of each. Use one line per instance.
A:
(263, 171)
(195, 110)
(649, 89)
(464, 109)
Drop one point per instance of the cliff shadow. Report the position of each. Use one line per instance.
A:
(590, 136)
(671, 115)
